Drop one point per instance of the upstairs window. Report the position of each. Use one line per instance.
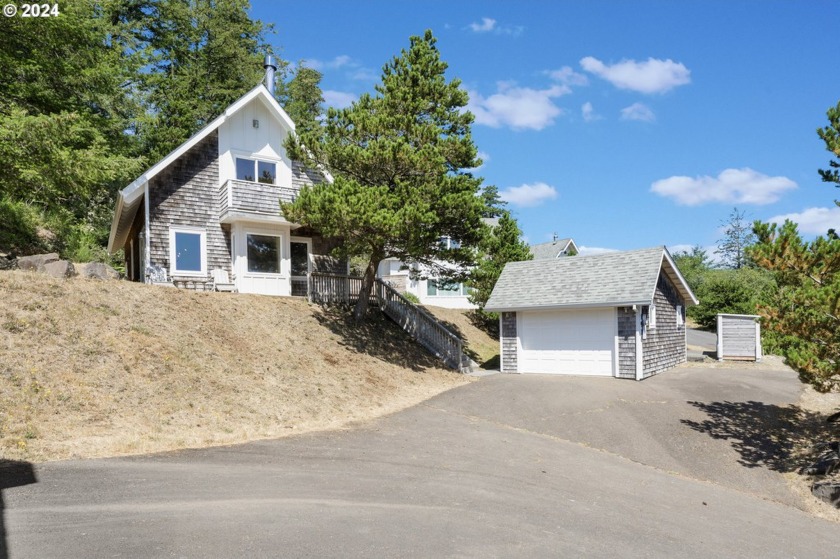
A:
(255, 170)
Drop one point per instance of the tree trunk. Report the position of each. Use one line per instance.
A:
(360, 310)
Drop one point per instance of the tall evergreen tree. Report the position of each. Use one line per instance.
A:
(400, 160)
(831, 136)
(738, 236)
(494, 206)
(202, 56)
(65, 103)
(303, 99)
(501, 244)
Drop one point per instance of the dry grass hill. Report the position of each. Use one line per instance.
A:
(91, 368)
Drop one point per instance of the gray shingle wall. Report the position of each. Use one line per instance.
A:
(664, 346)
(626, 342)
(302, 176)
(508, 340)
(186, 194)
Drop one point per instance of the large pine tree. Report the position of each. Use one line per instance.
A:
(400, 161)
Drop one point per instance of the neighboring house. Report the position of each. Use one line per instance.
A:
(618, 314)
(554, 249)
(430, 290)
(213, 204)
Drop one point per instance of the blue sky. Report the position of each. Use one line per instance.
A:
(621, 124)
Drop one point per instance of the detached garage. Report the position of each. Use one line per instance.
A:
(619, 314)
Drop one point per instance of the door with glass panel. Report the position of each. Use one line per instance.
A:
(263, 264)
(300, 250)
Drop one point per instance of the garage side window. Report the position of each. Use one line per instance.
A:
(652, 317)
(680, 319)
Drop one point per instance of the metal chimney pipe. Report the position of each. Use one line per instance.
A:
(270, 68)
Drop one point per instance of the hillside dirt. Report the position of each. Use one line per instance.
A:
(91, 368)
(481, 346)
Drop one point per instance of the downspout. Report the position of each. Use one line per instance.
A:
(640, 362)
(148, 256)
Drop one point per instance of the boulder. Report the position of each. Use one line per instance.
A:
(36, 263)
(8, 262)
(98, 270)
(60, 269)
(828, 491)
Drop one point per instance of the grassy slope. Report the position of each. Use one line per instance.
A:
(91, 368)
(482, 348)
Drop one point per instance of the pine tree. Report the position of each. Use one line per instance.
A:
(501, 244)
(831, 136)
(303, 99)
(400, 161)
(802, 316)
(738, 236)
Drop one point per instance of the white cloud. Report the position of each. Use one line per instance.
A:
(334, 64)
(638, 111)
(589, 251)
(517, 107)
(485, 157)
(813, 221)
(528, 195)
(338, 99)
(731, 186)
(567, 76)
(652, 76)
(487, 24)
(588, 112)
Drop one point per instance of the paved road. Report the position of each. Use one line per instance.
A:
(510, 466)
(701, 338)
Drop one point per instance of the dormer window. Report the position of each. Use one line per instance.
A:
(255, 170)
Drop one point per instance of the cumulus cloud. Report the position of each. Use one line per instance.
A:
(588, 113)
(638, 111)
(566, 75)
(485, 157)
(813, 221)
(731, 186)
(651, 76)
(338, 99)
(517, 107)
(528, 195)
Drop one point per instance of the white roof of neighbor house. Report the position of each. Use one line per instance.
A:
(603, 280)
(551, 249)
(129, 198)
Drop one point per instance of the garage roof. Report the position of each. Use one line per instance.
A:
(612, 279)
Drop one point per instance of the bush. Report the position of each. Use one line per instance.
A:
(19, 223)
(729, 291)
(412, 297)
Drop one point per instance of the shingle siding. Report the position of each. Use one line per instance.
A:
(664, 346)
(508, 341)
(185, 194)
(626, 342)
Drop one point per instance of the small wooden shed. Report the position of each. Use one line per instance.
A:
(738, 337)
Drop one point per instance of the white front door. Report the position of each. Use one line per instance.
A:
(261, 261)
(574, 342)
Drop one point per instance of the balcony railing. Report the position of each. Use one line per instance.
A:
(258, 199)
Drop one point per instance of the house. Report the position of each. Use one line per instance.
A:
(554, 249)
(212, 203)
(424, 284)
(619, 314)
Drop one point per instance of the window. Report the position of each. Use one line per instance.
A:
(652, 318)
(254, 170)
(300, 258)
(263, 254)
(440, 289)
(680, 318)
(187, 252)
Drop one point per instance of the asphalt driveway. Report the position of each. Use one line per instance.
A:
(508, 466)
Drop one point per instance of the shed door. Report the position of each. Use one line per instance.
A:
(567, 342)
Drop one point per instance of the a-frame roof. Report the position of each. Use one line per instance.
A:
(129, 198)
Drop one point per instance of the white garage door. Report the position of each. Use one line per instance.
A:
(567, 342)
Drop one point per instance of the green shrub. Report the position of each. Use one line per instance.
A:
(412, 297)
(19, 223)
(729, 291)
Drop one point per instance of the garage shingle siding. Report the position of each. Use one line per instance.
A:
(626, 342)
(664, 346)
(185, 195)
(508, 341)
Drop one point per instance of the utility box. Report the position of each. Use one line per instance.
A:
(738, 337)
